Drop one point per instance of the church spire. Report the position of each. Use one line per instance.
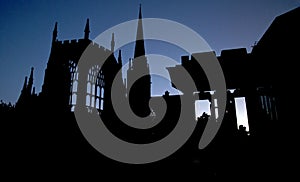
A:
(87, 29)
(120, 57)
(139, 91)
(54, 37)
(112, 44)
(139, 44)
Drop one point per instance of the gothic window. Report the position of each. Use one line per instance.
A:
(73, 84)
(95, 88)
(88, 100)
(88, 88)
(99, 89)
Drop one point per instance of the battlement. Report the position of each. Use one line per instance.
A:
(94, 44)
(188, 59)
(81, 42)
(74, 41)
(68, 42)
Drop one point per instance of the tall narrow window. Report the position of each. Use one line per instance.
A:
(73, 84)
(202, 106)
(241, 112)
(95, 88)
(100, 84)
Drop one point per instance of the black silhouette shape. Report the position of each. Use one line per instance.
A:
(41, 128)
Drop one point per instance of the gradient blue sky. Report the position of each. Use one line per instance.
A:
(26, 27)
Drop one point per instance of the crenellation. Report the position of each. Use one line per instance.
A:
(59, 42)
(66, 42)
(95, 44)
(103, 48)
(74, 41)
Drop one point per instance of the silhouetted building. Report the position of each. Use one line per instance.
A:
(138, 75)
(258, 76)
(59, 91)
(276, 53)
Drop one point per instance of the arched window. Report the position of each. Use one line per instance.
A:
(95, 88)
(100, 83)
(88, 88)
(88, 100)
(73, 84)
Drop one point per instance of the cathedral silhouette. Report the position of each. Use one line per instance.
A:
(45, 123)
(61, 76)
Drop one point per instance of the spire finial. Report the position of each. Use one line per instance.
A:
(25, 84)
(140, 11)
(31, 74)
(54, 37)
(112, 44)
(87, 29)
(139, 44)
(120, 57)
(30, 81)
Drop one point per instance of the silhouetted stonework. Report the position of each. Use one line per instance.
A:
(44, 127)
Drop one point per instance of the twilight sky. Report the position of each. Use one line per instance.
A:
(26, 28)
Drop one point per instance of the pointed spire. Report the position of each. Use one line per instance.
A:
(31, 74)
(25, 84)
(139, 44)
(54, 37)
(112, 44)
(30, 81)
(140, 11)
(87, 29)
(120, 57)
